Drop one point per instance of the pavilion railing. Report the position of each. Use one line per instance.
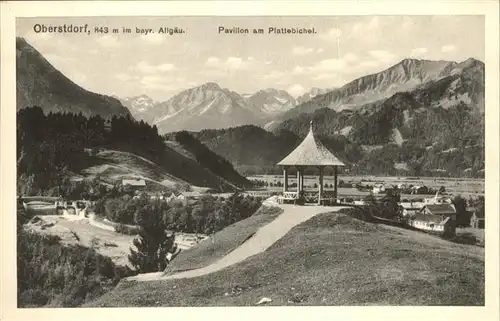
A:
(327, 197)
(288, 197)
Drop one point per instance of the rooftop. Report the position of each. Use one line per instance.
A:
(311, 152)
(440, 209)
(134, 182)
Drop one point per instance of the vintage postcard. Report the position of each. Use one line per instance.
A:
(231, 154)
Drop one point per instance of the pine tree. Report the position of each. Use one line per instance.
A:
(153, 242)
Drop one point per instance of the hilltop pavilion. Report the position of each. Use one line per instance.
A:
(310, 153)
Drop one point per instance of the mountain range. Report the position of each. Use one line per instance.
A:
(433, 126)
(464, 82)
(38, 83)
(210, 106)
(418, 112)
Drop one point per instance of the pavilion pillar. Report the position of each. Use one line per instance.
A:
(298, 180)
(302, 179)
(320, 185)
(335, 173)
(285, 178)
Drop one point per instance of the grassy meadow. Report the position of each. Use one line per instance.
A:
(331, 259)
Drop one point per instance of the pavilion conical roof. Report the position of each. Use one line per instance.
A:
(311, 152)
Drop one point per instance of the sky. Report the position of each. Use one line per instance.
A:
(161, 65)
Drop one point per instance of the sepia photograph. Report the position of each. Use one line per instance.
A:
(260, 160)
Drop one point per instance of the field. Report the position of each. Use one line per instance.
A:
(117, 165)
(331, 259)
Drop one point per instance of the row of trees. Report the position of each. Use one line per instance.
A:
(158, 219)
(50, 146)
(206, 215)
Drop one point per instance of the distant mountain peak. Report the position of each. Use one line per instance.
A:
(269, 90)
(143, 96)
(210, 86)
(138, 105)
(270, 102)
(406, 75)
(472, 61)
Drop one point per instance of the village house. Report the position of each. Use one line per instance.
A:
(411, 207)
(137, 184)
(401, 186)
(188, 195)
(378, 188)
(416, 189)
(171, 197)
(440, 218)
(157, 196)
(437, 200)
(439, 209)
(184, 197)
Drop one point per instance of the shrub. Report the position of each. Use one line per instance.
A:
(51, 274)
(153, 243)
(362, 214)
(127, 229)
(206, 215)
(463, 217)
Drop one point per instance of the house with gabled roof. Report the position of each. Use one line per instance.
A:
(171, 197)
(439, 209)
(135, 183)
(439, 218)
(409, 208)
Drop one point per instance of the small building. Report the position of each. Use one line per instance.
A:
(171, 197)
(439, 209)
(432, 223)
(156, 197)
(410, 208)
(437, 200)
(378, 188)
(439, 218)
(135, 183)
(189, 195)
(416, 189)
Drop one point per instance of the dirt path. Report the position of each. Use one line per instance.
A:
(263, 239)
